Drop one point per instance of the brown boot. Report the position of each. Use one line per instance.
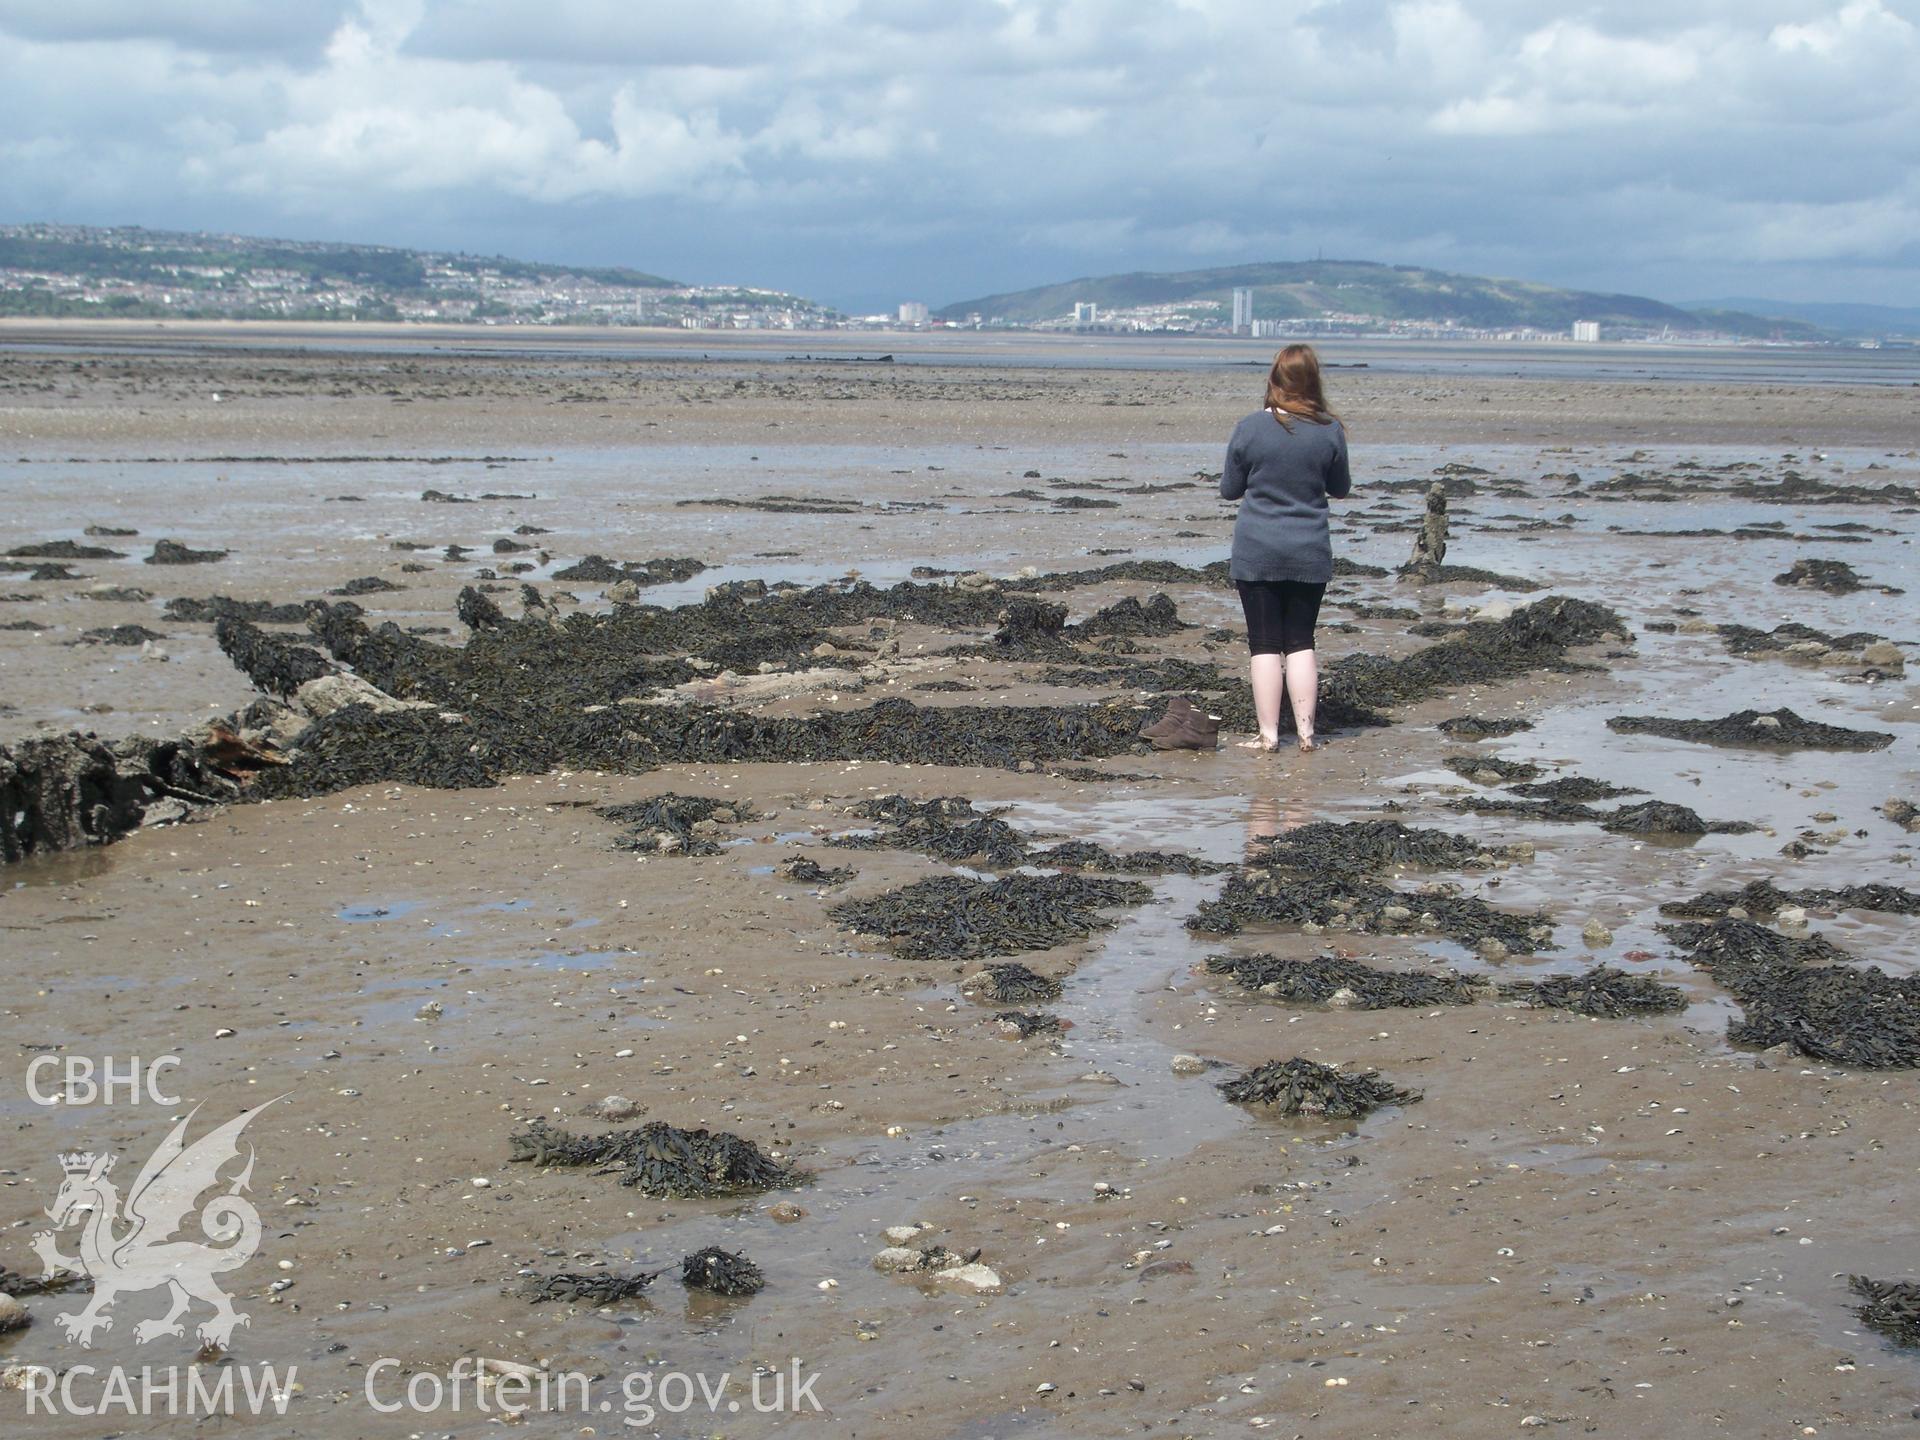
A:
(1195, 730)
(1179, 709)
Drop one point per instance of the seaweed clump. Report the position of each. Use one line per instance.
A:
(1372, 845)
(1474, 575)
(948, 828)
(1013, 984)
(119, 635)
(13, 1283)
(1605, 991)
(955, 917)
(1791, 638)
(1535, 637)
(1763, 897)
(673, 824)
(594, 1287)
(1662, 817)
(1033, 629)
(805, 870)
(1302, 1087)
(1320, 877)
(598, 569)
(64, 550)
(1778, 729)
(1800, 992)
(1890, 1306)
(172, 552)
(1650, 817)
(1027, 1023)
(661, 1160)
(359, 745)
(1844, 1014)
(1574, 788)
(1835, 577)
(367, 585)
(721, 1272)
(224, 607)
(1087, 855)
(277, 665)
(1349, 984)
(1129, 617)
(1741, 944)
(1504, 772)
(1480, 727)
(1349, 902)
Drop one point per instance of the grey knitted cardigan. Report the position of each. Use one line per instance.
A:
(1283, 478)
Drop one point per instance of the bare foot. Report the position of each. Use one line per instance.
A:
(1259, 742)
(1307, 742)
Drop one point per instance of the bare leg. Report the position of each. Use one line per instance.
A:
(1303, 683)
(1269, 678)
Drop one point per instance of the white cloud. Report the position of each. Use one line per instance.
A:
(1856, 25)
(922, 134)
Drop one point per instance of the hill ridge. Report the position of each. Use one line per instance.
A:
(1355, 294)
(53, 270)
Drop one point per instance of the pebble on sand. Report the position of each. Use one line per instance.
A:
(975, 1277)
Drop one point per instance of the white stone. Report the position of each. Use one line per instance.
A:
(1884, 653)
(1189, 1065)
(322, 696)
(976, 1277)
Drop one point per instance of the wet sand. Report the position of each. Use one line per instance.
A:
(1557, 1230)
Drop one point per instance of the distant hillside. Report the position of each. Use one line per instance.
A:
(1876, 321)
(58, 270)
(1357, 292)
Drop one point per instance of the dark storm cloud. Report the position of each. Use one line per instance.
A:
(861, 149)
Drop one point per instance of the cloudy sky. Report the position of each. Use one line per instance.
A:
(869, 151)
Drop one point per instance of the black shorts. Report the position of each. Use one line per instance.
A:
(1280, 614)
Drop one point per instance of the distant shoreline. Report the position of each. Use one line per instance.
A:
(973, 351)
(13, 327)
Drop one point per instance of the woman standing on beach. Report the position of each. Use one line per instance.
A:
(1284, 463)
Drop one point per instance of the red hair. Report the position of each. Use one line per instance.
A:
(1294, 387)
